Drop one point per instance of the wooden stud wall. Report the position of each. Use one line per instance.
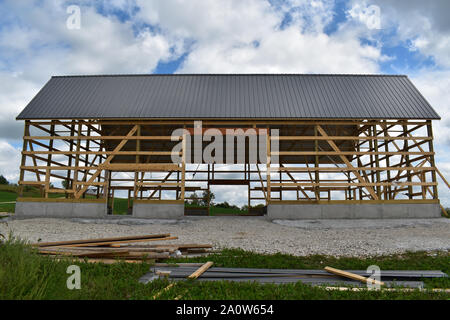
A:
(391, 160)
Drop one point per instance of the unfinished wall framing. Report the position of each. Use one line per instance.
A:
(320, 162)
(328, 145)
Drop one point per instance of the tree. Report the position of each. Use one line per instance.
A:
(65, 184)
(193, 199)
(207, 198)
(3, 180)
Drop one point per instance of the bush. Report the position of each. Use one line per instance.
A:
(3, 180)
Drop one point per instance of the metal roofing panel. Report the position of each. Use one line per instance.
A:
(229, 96)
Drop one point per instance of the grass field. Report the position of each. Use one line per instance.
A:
(26, 275)
(214, 210)
(9, 193)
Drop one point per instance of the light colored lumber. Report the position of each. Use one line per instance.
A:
(107, 161)
(105, 261)
(116, 242)
(353, 276)
(164, 290)
(87, 254)
(388, 289)
(85, 241)
(194, 275)
(347, 162)
(201, 270)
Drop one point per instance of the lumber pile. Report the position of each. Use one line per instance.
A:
(351, 278)
(130, 249)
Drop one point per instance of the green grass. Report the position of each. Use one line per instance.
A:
(214, 210)
(8, 193)
(26, 275)
(231, 211)
(121, 206)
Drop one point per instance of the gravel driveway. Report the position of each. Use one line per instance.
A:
(305, 237)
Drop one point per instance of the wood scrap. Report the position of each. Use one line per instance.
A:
(105, 261)
(388, 289)
(95, 244)
(124, 248)
(353, 276)
(193, 276)
(201, 270)
(87, 254)
(106, 240)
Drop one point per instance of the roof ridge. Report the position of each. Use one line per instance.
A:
(232, 74)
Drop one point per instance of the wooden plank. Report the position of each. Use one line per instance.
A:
(347, 162)
(105, 261)
(117, 242)
(399, 201)
(201, 270)
(109, 153)
(87, 254)
(346, 184)
(262, 184)
(346, 153)
(107, 161)
(353, 276)
(175, 138)
(84, 241)
(142, 167)
(388, 138)
(339, 169)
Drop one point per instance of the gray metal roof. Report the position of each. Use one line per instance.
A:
(229, 96)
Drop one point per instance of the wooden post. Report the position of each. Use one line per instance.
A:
(86, 159)
(388, 189)
(136, 173)
(269, 192)
(183, 168)
(49, 159)
(77, 160)
(70, 184)
(377, 160)
(249, 187)
(408, 162)
(23, 161)
(431, 157)
(316, 165)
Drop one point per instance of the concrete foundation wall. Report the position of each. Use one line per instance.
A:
(158, 211)
(60, 209)
(352, 211)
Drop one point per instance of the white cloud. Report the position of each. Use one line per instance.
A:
(9, 161)
(286, 51)
(435, 87)
(422, 24)
(246, 36)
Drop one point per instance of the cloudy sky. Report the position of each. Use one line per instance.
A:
(37, 40)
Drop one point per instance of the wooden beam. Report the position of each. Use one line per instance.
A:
(107, 161)
(353, 276)
(201, 270)
(349, 165)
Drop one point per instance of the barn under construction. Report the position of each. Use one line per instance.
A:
(295, 146)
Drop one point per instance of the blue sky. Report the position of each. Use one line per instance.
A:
(254, 36)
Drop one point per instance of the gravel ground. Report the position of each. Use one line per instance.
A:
(301, 237)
